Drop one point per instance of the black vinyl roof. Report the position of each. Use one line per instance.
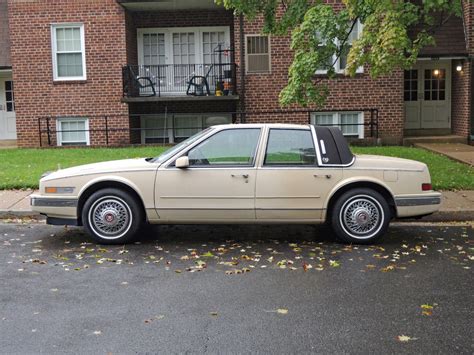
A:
(333, 146)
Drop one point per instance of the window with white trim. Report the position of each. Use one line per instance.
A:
(340, 63)
(73, 131)
(174, 128)
(350, 123)
(68, 49)
(257, 54)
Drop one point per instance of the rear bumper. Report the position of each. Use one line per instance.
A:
(417, 205)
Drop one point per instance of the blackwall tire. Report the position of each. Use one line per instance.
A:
(112, 216)
(360, 216)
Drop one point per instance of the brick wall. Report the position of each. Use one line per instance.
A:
(4, 35)
(35, 92)
(461, 103)
(261, 90)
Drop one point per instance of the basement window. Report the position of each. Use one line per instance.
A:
(350, 123)
(73, 131)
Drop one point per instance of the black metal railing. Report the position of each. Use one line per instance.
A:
(179, 79)
(122, 130)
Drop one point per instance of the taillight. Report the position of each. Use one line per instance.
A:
(426, 187)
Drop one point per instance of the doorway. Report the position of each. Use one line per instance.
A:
(7, 109)
(427, 95)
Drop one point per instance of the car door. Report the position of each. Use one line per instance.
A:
(290, 185)
(218, 185)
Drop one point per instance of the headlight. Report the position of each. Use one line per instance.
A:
(58, 190)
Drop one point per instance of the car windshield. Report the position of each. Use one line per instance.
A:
(178, 147)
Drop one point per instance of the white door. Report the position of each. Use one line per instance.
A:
(427, 95)
(7, 110)
(218, 185)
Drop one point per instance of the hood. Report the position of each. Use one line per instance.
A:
(100, 168)
(389, 163)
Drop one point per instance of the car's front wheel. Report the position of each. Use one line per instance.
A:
(112, 216)
(360, 216)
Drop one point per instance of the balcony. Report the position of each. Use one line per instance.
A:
(179, 82)
(158, 5)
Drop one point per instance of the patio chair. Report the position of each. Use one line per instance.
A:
(144, 82)
(199, 85)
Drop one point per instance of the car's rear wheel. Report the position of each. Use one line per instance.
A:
(112, 216)
(360, 216)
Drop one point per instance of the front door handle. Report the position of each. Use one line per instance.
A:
(245, 176)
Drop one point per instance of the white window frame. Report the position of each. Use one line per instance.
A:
(54, 51)
(337, 120)
(168, 31)
(269, 55)
(170, 129)
(337, 62)
(59, 132)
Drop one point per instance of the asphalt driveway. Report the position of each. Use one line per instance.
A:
(238, 289)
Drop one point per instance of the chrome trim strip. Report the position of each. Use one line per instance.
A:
(209, 197)
(53, 202)
(202, 209)
(417, 201)
(239, 209)
(281, 197)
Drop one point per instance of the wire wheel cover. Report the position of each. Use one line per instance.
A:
(110, 217)
(361, 215)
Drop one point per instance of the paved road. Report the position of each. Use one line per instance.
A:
(236, 289)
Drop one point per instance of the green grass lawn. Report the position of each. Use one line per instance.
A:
(21, 168)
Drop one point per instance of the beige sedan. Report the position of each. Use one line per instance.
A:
(253, 173)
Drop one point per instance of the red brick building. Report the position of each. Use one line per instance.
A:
(119, 71)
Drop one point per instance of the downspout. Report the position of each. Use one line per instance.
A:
(242, 69)
(471, 137)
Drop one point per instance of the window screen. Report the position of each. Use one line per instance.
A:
(258, 54)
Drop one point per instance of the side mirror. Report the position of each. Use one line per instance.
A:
(182, 162)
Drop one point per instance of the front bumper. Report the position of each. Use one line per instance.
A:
(56, 208)
(417, 205)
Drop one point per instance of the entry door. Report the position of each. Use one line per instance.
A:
(427, 95)
(7, 110)
(218, 185)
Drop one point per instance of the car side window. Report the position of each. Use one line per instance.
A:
(225, 148)
(290, 147)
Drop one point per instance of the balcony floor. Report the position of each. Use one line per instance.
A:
(179, 98)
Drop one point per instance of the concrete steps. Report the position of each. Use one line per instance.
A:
(411, 141)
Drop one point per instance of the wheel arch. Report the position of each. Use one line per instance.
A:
(97, 185)
(366, 183)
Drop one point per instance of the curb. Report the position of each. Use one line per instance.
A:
(6, 214)
(440, 216)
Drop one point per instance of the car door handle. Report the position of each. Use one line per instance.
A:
(327, 176)
(245, 176)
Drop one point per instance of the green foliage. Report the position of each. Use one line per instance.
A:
(22, 168)
(318, 32)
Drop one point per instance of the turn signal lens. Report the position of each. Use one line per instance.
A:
(59, 190)
(426, 187)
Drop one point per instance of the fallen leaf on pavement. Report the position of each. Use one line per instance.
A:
(405, 338)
